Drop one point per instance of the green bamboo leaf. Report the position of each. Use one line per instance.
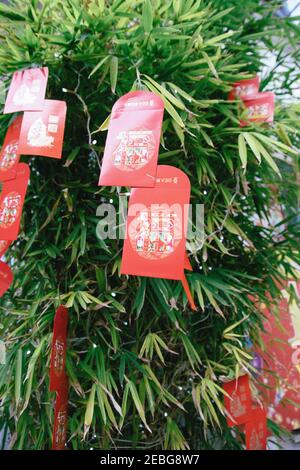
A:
(103, 126)
(165, 93)
(147, 16)
(18, 377)
(89, 412)
(210, 64)
(12, 13)
(252, 142)
(219, 39)
(274, 143)
(101, 404)
(99, 65)
(113, 73)
(2, 352)
(242, 150)
(265, 154)
(171, 110)
(137, 402)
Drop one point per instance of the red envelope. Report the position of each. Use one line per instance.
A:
(256, 430)
(60, 417)
(59, 347)
(42, 132)
(27, 90)
(244, 88)
(132, 144)
(4, 245)
(239, 403)
(258, 108)
(6, 278)
(156, 227)
(11, 203)
(9, 155)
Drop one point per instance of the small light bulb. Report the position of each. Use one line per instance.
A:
(94, 345)
(204, 192)
(113, 294)
(28, 352)
(111, 201)
(94, 142)
(165, 414)
(64, 90)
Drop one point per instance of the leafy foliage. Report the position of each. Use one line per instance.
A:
(144, 370)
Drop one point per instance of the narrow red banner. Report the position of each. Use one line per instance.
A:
(60, 417)
(27, 90)
(42, 132)
(10, 155)
(131, 149)
(256, 430)
(59, 347)
(238, 404)
(6, 278)
(11, 203)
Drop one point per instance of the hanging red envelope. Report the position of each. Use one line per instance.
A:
(239, 404)
(156, 227)
(11, 203)
(59, 346)
(132, 144)
(60, 417)
(4, 245)
(10, 155)
(42, 132)
(244, 88)
(258, 108)
(256, 430)
(27, 90)
(6, 278)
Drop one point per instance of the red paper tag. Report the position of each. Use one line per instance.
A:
(244, 88)
(131, 149)
(42, 132)
(27, 90)
(256, 430)
(60, 417)
(4, 245)
(156, 227)
(6, 278)
(258, 108)
(239, 403)
(11, 203)
(9, 155)
(59, 347)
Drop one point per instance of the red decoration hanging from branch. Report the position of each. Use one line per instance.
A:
(131, 149)
(10, 154)
(27, 90)
(11, 203)
(42, 132)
